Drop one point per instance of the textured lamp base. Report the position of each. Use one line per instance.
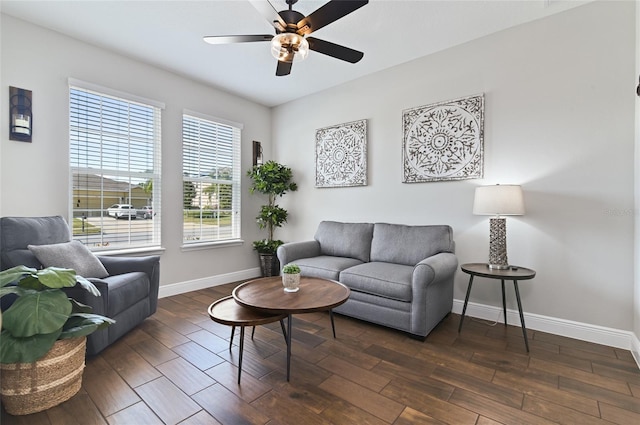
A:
(498, 244)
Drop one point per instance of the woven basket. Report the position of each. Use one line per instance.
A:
(32, 387)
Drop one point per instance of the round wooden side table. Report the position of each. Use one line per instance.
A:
(228, 312)
(514, 273)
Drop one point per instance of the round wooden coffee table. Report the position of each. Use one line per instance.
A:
(268, 295)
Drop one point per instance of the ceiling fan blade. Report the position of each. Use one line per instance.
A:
(266, 9)
(327, 14)
(226, 39)
(283, 68)
(335, 50)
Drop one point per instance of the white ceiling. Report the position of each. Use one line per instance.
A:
(168, 34)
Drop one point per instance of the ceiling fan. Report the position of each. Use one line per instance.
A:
(292, 29)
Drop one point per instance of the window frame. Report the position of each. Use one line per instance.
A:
(101, 137)
(236, 182)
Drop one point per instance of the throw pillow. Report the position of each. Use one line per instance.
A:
(70, 255)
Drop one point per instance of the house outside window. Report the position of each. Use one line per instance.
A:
(114, 153)
(211, 179)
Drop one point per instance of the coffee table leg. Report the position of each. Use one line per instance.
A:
(333, 326)
(466, 300)
(284, 331)
(524, 329)
(289, 332)
(233, 331)
(241, 351)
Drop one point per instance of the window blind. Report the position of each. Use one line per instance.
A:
(211, 179)
(114, 155)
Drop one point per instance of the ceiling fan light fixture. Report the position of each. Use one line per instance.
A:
(288, 45)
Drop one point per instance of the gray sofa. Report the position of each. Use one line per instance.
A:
(129, 292)
(400, 276)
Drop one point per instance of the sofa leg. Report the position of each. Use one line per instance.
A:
(418, 337)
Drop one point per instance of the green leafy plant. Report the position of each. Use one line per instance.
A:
(42, 313)
(265, 246)
(274, 180)
(291, 268)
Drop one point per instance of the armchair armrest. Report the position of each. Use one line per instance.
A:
(121, 265)
(149, 264)
(291, 251)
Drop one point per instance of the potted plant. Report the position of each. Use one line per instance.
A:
(43, 337)
(291, 277)
(274, 180)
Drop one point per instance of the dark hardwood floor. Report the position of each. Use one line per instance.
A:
(176, 368)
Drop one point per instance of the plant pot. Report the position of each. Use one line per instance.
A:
(27, 388)
(291, 282)
(269, 265)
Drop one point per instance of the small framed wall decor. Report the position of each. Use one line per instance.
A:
(341, 155)
(444, 141)
(20, 115)
(257, 153)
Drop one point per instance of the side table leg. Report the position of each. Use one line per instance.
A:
(466, 300)
(504, 303)
(524, 329)
(289, 332)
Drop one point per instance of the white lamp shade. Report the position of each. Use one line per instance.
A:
(498, 200)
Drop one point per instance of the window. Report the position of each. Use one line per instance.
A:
(211, 179)
(115, 168)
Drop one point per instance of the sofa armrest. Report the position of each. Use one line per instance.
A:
(434, 269)
(149, 264)
(432, 291)
(291, 251)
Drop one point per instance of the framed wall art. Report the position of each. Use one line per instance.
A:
(444, 141)
(341, 155)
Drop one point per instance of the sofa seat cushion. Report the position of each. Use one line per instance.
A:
(325, 267)
(124, 290)
(386, 280)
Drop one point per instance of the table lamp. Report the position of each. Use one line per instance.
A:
(498, 200)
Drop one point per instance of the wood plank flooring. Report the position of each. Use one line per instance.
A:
(176, 368)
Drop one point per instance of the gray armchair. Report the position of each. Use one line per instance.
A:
(129, 293)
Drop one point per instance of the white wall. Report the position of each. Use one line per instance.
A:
(636, 304)
(559, 120)
(35, 175)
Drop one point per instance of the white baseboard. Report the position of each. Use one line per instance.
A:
(635, 349)
(207, 282)
(584, 331)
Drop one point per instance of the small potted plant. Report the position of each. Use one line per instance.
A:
(291, 277)
(43, 337)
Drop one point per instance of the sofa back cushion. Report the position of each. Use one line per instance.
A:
(401, 244)
(351, 240)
